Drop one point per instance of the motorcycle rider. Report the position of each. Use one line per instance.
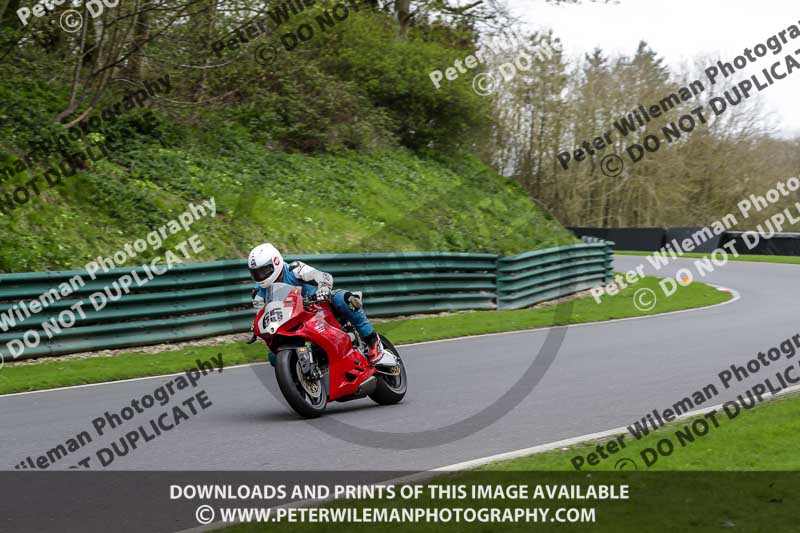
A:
(267, 266)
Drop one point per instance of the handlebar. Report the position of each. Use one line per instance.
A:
(315, 298)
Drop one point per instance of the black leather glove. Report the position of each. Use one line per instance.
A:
(323, 292)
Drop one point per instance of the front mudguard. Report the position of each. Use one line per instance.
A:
(280, 342)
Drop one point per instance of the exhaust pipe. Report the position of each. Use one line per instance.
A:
(368, 387)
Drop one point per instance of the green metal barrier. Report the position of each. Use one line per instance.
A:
(527, 279)
(204, 299)
(409, 283)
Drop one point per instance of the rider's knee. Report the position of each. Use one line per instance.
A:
(339, 303)
(338, 299)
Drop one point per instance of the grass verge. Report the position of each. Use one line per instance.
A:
(761, 438)
(789, 259)
(66, 372)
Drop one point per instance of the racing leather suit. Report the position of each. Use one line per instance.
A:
(302, 275)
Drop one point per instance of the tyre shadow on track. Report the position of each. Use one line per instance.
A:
(280, 412)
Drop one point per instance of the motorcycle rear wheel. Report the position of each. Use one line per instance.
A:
(307, 398)
(390, 389)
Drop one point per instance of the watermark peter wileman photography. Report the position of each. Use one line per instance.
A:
(70, 20)
(642, 115)
(103, 426)
(700, 426)
(326, 17)
(719, 257)
(505, 67)
(23, 311)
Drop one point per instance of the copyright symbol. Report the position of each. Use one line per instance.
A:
(484, 84)
(644, 299)
(266, 54)
(612, 165)
(70, 21)
(204, 514)
(624, 462)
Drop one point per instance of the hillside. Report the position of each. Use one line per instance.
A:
(342, 145)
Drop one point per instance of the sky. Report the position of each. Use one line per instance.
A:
(680, 31)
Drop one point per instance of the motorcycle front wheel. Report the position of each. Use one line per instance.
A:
(390, 389)
(308, 398)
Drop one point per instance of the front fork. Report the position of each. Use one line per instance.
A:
(308, 366)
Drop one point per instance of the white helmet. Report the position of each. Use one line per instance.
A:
(265, 264)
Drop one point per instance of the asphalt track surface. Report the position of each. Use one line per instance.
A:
(604, 375)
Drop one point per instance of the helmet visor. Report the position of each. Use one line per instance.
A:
(263, 272)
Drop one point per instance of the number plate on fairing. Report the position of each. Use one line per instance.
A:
(275, 316)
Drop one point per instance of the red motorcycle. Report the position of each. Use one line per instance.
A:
(319, 359)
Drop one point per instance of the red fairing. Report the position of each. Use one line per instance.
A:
(347, 367)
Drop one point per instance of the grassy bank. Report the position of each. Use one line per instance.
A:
(59, 373)
(387, 200)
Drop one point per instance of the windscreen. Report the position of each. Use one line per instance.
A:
(279, 291)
